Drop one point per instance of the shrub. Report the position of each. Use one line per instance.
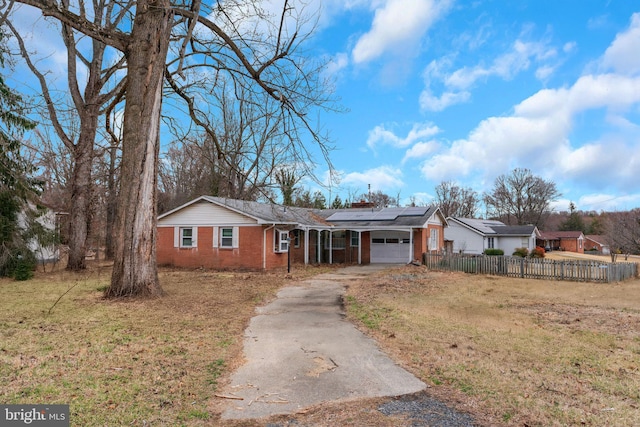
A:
(17, 263)
(521, 252)
(538, 252)
(494, 252)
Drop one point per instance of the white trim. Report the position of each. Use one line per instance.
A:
(194, 236)
(235, 237)
(264, 246)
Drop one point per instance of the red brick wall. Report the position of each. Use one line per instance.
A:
(248, 256)
(365, 241)
(571, 245)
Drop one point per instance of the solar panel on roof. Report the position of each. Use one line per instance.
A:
(415, 210)
(385, 215)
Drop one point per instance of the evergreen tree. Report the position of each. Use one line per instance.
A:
(337, 203)
(574, 222)
(16, 189)
(319, 201)
(597, 226)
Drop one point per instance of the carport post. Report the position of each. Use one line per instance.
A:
(330, 246)
(411, 244)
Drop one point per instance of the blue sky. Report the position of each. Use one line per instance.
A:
(469, 90)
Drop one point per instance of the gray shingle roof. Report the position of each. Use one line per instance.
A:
(490, 227)
(267, 213)
(270, 213)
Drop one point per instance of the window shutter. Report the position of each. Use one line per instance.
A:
(176, 237)
(216, 237)
(235, 237)
(194, 237)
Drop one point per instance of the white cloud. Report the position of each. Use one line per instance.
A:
(544, 72)
(420, 150)
(608, 202)
(383, 178)
(338, 63)
(397, 25)
(569, 47)
(457, 83)
(622, 55)
(506, 66)
(419, 131)
(429, 102)
(446, 166)
(538, 135)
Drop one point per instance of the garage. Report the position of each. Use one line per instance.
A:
(390, 247)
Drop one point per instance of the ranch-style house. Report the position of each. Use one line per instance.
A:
(221, 233)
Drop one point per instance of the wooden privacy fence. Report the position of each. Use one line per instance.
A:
(534, 268)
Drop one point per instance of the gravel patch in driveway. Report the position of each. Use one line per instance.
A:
(423, 410)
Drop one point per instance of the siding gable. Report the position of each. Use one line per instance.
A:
(205, 213)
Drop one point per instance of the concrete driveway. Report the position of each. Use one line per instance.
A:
(300, 351)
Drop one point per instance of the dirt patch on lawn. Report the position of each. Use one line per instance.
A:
(623, 322)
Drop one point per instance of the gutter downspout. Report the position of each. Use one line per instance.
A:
(264, 246)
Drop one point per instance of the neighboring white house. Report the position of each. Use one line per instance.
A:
(473, 236)
(48, 219)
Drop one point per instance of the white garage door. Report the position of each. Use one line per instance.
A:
(390, 247)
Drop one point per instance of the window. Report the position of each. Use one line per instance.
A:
(355, 239)
(296, 238)
(433, 240)
(186, 238)
(377, 240)
(490, 243)
(338, 240)
(281, 239)
(525, 242)
(226, 237)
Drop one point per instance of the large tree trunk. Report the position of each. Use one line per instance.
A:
(112, 203)
(80, 199)
(135, 270)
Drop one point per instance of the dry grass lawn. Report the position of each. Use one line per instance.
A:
(154, 362)
(520, 352)
(511, 352)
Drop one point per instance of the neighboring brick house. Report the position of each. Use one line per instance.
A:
(219, 233)
(593, 242)
(571, 241)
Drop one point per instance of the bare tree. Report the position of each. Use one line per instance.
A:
(380, 199)
(88, 103)
(521, 198)
(457, 201)
(623, 232)
(242, 141)
(260, 58)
